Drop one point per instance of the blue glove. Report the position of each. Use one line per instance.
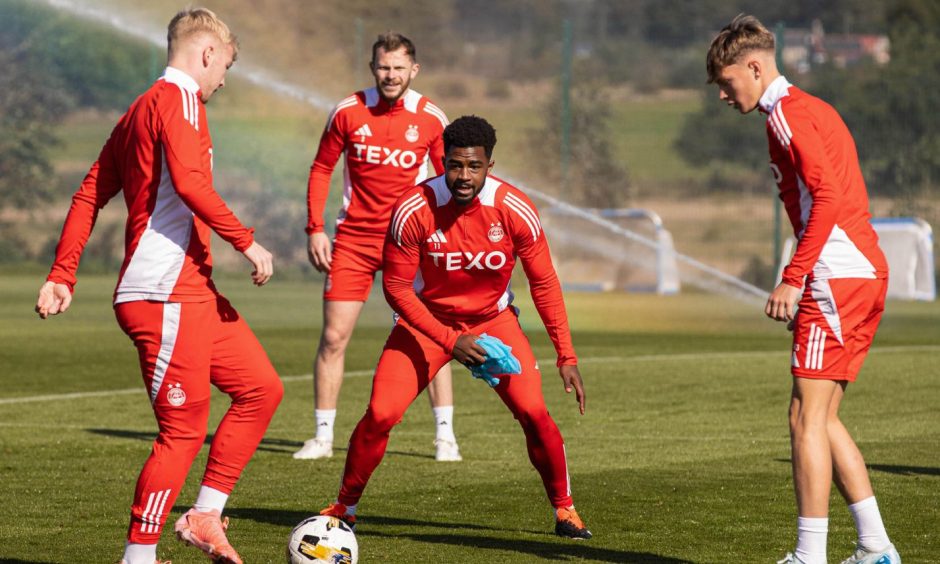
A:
(499, 360)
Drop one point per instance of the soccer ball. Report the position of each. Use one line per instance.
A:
(322, 539)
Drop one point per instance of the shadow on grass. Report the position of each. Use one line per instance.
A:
(291, 518)
(905, 470)
(149, 437)
(267, 445)
(562, 549)
(372, 525)
(893, 469)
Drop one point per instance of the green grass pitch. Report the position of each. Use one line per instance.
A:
(683, 455)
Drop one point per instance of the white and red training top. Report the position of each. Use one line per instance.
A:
(449, 265)
(160, 156)
(387, 150)
(815, 163)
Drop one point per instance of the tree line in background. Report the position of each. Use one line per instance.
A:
(53, 66)
(889, 110)
(50, 67)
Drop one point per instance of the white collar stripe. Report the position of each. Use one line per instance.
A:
(404, 220)
(436, 112)
(185, 97)
(347, 103)
(525, 219)
(783, 120)
(403, 210)
(196, 112)
(526, 208)
(524, 213)
(778, 124)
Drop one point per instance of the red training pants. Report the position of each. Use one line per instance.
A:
(183, 347)
(408, 363)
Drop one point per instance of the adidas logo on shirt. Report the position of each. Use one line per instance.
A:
(437, 237)
(363, 132)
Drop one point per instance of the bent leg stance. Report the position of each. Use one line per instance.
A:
(408, 363)
(522, 394)
(175, 345)
(241, 369)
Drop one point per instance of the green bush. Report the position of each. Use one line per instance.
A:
(95, 66)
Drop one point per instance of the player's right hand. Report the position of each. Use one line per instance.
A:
(53, 299)
(467, 351)
(263, 262)
(319, 251)
(571, 377)
(782, 302)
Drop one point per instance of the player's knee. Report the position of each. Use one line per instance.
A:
(273, 392)
(383, 419)
(534, 418)
(333, 342)
(804, 421)
(181, 442)
(266, 394)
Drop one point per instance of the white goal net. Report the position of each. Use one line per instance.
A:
(907, 243)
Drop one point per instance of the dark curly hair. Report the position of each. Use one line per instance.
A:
(470, 131)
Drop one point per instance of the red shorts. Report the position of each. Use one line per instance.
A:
(835, 326)
(354, 263)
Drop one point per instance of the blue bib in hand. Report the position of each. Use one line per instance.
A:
(499, 360)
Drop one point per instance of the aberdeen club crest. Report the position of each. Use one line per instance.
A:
(496, 232)
(412, 134)
(175, 395)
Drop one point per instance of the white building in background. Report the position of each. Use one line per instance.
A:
(805, 48)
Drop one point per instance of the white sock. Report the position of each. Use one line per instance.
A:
(871, 529)
(444, 423)
(210, 499)
(811, 533)
(325, 419)
(140, 553)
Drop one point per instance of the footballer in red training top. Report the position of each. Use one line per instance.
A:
(448, 259)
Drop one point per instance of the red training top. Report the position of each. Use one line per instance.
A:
(160, 155)
(387, 151)
(815, 164)
(447, 265)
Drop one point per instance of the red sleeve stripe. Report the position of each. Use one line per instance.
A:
(190, 107)
(436, 112)
(780, 126)
(408, 207)
(525, 212)
(348, 102)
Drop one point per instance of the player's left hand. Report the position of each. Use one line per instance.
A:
(53, 299)
(781, 304)
(571, 376)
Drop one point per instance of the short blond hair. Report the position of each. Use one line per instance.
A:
(193, 21)
(743, 35)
